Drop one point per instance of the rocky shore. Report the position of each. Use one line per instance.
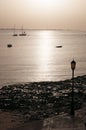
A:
(39, 100)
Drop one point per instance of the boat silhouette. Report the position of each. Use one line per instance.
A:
(9, 45)
(23, 33)
(15, 34)
(58, 46)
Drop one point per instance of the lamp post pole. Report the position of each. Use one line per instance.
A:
(73, 65)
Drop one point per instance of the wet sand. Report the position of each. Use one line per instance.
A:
(9, 120)
(34, 125)
(60, 122)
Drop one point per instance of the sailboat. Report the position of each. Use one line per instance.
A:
(23, 33)
(15, 34)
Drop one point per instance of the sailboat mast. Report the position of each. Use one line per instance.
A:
(14, 34)
(14, 28)
(22, 33)
(22, 29)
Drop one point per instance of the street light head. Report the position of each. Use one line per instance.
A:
(73, 65)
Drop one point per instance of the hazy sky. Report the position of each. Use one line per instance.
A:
(48, 14)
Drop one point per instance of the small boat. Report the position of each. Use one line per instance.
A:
(23, 33)
(9, 45)
(58, 46)
(15, 34)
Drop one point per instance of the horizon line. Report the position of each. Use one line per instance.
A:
(9, 28)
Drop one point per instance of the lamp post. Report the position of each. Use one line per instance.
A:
(73, 65)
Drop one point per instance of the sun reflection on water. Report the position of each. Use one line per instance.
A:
(45, 50)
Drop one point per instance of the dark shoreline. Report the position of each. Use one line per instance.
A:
(81, 78)
(39, 100)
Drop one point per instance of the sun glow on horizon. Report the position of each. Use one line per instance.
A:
(50, 3)
(43, 14)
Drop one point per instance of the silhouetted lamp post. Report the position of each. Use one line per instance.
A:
(73, 65)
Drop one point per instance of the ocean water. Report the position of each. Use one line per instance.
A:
(35, 57)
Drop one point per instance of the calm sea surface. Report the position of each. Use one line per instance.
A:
(35, 57)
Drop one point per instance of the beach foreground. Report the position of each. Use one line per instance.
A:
(60, 122)
(40, 103)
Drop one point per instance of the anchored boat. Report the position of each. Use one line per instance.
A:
(15, 34)
(23, 33)
(9, 45)
(58, 46)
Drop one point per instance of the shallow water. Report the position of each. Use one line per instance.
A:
(36, 58)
